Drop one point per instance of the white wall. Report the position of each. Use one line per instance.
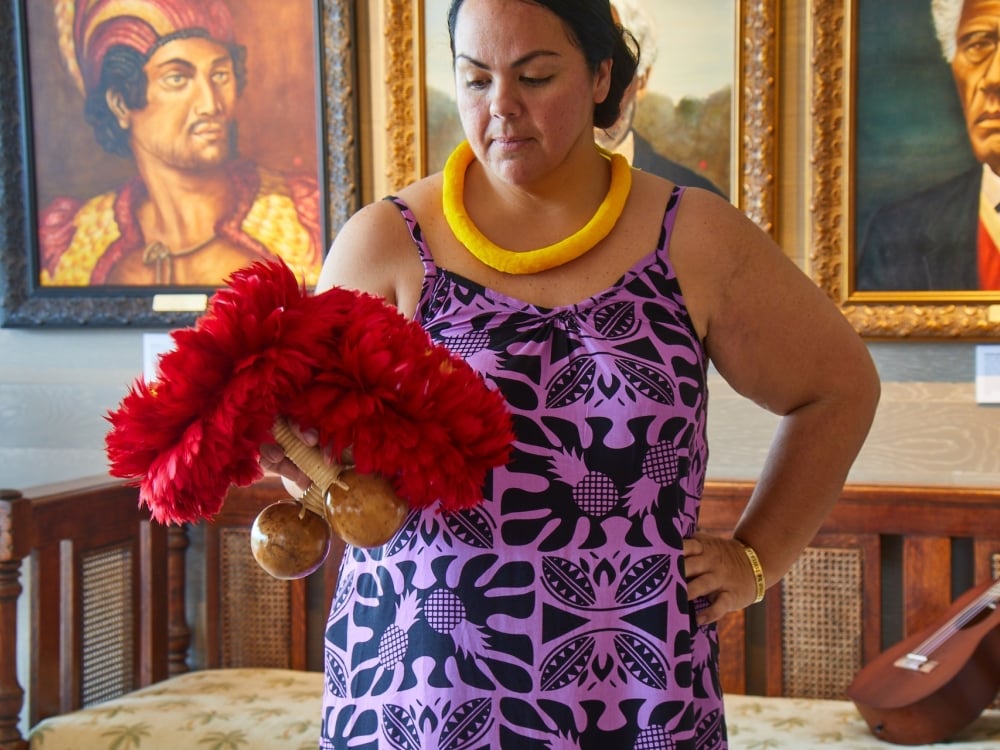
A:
(57, 385)
(55, 388)
(928, 429)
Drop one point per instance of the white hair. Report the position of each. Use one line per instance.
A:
(633, 17)
(947, 14)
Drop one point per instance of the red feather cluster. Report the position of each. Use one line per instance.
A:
(342, 362)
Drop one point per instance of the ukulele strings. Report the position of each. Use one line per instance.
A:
(956, 623)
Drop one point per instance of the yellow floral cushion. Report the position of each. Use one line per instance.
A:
(215, 709)
(244, 709)
(757, 723)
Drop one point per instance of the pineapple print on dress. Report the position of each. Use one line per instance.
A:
(661, 469)
(594, 492)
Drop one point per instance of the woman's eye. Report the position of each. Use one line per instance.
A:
(532, 81)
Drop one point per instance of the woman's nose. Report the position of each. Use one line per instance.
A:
(505, 103)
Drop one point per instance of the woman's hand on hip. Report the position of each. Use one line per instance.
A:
(718, 570)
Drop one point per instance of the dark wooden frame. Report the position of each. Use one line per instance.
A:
(24, 304)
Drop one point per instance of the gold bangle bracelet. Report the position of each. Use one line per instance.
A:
(758, 572)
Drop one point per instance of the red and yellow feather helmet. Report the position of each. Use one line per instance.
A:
(89, 28)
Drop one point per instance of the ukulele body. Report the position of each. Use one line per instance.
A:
(922, 703)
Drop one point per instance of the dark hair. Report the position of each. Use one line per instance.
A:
(122, 71)
(594, 30)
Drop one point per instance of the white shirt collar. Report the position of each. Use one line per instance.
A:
(990, 186)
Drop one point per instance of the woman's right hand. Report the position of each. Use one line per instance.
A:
(274, 459)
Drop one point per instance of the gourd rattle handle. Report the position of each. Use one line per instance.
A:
(313, 463)
(364, 510)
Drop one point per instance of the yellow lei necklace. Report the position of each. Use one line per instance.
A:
(543, 258)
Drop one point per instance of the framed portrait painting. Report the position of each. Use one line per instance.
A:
(157, 146)
(703, 112)
(902, 236)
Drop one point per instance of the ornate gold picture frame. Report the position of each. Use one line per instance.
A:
(839, 191)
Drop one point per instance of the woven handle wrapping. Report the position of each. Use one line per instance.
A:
(315, 465)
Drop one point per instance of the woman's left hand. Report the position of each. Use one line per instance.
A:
(718, 569)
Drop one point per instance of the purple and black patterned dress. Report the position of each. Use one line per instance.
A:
(555, 614)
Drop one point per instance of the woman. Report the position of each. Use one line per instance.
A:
(575, 607)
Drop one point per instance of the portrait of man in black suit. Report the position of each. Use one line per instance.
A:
(622, 137)
(946, 236)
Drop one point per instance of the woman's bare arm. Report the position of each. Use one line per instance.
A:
(778, 340)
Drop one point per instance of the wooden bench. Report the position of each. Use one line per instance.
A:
(887, 563)
(117, 604)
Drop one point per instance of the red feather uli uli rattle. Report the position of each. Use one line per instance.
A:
(419, 425)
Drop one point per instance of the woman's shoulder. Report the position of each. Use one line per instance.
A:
(655, 197)
(423, 197)
(712, 219)
(651, 188)
(719, 254)
(385, 217)
(374, 251)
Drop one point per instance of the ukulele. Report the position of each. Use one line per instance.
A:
(930, 685)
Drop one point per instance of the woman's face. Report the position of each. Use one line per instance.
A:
(525, 93)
